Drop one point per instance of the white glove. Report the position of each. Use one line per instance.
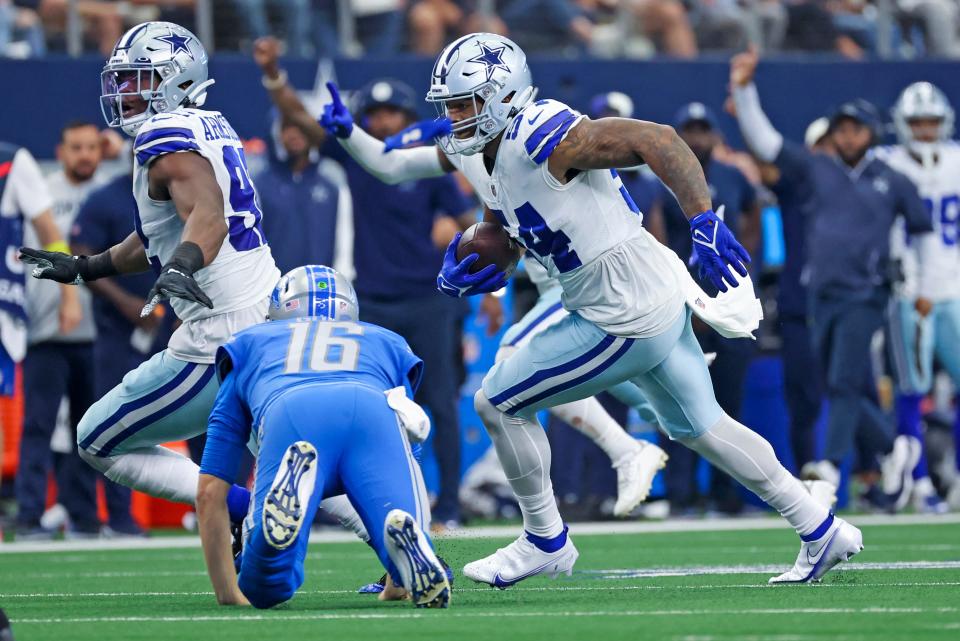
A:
(412, 417)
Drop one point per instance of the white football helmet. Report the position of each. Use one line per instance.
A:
(155, 67)
(314, 291)
(491, 71)
(922, 100)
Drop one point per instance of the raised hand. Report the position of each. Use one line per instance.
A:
(456, 281)
(266, 53)
(743, 66)
(336, 118)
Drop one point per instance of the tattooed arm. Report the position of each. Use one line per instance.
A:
(609, 143)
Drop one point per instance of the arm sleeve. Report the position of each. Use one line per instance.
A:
(343, 244)
(31, 195)
(227, 432)
(764, 141)
(396, 166)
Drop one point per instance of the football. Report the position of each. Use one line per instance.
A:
(494, 246)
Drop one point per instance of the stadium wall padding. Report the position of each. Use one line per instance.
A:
(41, 95)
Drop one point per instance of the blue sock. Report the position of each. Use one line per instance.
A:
(238, 502)
(548, 545)
(956, 432)
(908, 423)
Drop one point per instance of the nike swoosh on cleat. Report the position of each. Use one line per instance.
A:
(500, 583)
(818, 559)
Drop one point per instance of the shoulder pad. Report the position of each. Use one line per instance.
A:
(540, 127)
(164, 134)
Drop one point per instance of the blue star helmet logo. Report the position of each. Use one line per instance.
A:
(177, 43)
(491, 58)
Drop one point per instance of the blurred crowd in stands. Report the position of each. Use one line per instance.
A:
(854, 29)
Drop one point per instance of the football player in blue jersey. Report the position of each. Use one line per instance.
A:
(547, 174)
(327, 400)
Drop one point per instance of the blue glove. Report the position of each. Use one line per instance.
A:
(455, 279)
(420, 132)
(336, 118)
(716, 248)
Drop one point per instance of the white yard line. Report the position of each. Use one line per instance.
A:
(617, 527)
(326, 616)
(552, 587)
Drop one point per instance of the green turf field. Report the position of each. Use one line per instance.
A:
(680, 585)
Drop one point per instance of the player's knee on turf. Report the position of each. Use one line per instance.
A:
(263, 593)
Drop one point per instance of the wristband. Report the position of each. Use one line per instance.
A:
(272, 84)
(57, 246)
(94, 267)
(187, 257)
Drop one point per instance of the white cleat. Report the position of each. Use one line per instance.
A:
(823, 492)
(840, 542)
(821, 471)
(635, 472)
(423, 575)
(896, 470)
(521, 560)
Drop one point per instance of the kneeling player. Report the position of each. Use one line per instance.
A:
(325, 393)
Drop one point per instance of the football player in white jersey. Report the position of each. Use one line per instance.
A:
(925, 315)
(198, 226)
(547, 175)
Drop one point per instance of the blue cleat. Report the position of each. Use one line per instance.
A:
(421, 572)
(377, 588)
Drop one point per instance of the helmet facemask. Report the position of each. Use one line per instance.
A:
(129, 95)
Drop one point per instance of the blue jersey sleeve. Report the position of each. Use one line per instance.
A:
(409, 367)
(228, 431)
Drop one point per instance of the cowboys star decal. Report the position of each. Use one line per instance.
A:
(491, 58)
(177, 43)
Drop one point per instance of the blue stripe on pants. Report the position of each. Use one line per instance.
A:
(179, 402)
(536, 322)
(563, 368)
(627, 344)
(136, 404)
